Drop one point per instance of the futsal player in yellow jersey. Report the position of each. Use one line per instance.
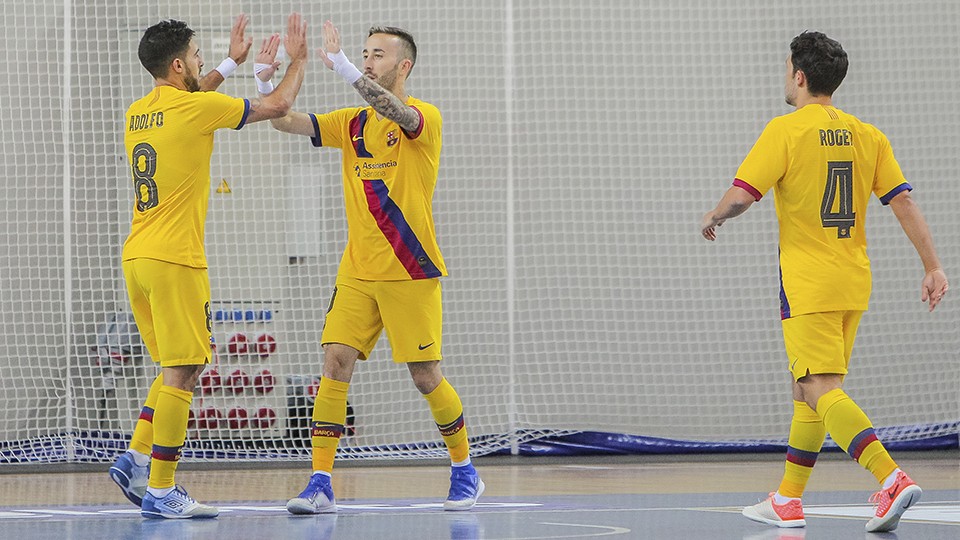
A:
(389, 274)
(168, 136)
(823, 164)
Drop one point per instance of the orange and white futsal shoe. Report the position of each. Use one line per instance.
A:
(781, 515)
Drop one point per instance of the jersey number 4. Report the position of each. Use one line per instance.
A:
(144, 164)
(838, 194)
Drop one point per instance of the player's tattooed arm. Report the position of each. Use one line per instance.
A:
(256, 104)
(387, 104)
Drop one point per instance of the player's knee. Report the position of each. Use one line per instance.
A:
(426, 375)
(338, 361)
(814, 386)
(183, 377)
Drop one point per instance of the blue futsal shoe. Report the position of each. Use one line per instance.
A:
(131, 478)
(317, 498)
(175, 505)
(465, 488)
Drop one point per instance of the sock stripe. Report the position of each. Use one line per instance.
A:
(860, 442)
(803, 458)
(452, 428)
(326, 429)
(166, 453)
(146, 413)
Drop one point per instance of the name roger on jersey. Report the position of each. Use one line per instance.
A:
(836, 137)
(146, 121)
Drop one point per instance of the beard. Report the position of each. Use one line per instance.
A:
(192, 83)
(388, 80)
(791, 99)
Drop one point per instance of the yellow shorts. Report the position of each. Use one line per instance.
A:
(819, 343)
(171, 304)
(410, 311)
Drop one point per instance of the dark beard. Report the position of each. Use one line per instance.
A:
(192, 84)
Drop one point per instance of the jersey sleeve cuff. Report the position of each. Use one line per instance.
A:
(315, 140)
(885, 200)
(415, 134)
(748, 188)
(246, 113)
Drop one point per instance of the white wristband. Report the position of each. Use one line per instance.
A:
(264, 87)
(227, 67)
(344, 68)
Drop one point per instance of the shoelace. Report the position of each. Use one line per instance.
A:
(183, 493)
(314, 487)
(881, 502)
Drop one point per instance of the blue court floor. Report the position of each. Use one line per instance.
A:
(571, 500)
(715, 516)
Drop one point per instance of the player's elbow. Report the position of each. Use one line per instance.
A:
(280, 107)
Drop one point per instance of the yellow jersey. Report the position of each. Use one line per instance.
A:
(389, 176)
(822, 164)
(168, 136)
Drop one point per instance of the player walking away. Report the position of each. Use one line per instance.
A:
(822, 164)
(169, 140)
(389, 274)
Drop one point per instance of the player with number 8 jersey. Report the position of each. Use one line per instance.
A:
(168, 136)
(169, 141)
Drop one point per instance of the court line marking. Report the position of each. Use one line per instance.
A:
(609, 531)
(838, 511)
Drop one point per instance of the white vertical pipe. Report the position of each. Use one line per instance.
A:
(508, 71)
(67, 66)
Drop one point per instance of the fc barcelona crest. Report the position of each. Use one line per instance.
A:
(392, 138)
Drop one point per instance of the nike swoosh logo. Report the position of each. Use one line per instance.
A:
(355, 138)
(422, 347)
(893, 492)
(794, 364)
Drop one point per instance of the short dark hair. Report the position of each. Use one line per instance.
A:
(821, 59)
(409, 47)
(161, 43)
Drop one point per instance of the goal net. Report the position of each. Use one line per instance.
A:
(582, 144)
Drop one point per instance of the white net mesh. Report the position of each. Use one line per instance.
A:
(582, 144)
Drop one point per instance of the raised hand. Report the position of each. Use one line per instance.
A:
(295, 42)
(266, 60)
(331, 43)
(239, 44)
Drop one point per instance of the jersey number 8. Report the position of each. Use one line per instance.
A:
(144, 164)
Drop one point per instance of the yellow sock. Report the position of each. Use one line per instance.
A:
(851, 429)
(448, 414)
(329, 415)
(142, 440)
(169, 432)
(806, 437)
